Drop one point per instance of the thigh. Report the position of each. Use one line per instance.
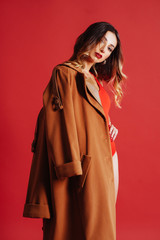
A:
(116, 172)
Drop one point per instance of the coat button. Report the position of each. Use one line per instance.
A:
(56, 103)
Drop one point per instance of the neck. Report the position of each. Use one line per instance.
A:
(88, 65)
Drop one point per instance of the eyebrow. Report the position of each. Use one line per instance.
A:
(107, 40)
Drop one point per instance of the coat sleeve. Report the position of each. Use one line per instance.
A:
(61, 128)
(38, 199)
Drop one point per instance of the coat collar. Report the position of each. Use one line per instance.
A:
(91, 92)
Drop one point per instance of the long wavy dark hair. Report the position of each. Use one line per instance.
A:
(109, 70)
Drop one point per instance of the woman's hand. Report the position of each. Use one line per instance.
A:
(113, 131)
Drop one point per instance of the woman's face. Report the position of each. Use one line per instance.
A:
(104, 48)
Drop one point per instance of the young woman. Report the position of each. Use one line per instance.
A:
(73, 181)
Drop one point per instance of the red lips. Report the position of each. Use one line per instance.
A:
(98, 55)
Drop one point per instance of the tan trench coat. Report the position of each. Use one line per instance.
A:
(71, 184)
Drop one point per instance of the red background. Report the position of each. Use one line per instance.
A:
(35, 36)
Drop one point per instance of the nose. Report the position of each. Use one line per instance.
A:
(102, 50)
(102, 47)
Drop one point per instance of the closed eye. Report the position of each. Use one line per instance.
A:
(110, 49)
(102, 41)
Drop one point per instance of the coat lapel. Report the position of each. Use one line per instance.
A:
(92, 93)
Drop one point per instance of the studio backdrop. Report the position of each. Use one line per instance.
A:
(37, 35)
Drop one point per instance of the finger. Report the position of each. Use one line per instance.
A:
(115, 134)
(111, 132)
(111, 129)
(109, 125)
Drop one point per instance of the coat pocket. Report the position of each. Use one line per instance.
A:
(86, 163)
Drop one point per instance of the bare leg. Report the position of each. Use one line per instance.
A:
(116, 173)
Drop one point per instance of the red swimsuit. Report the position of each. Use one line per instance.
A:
(105, 100)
